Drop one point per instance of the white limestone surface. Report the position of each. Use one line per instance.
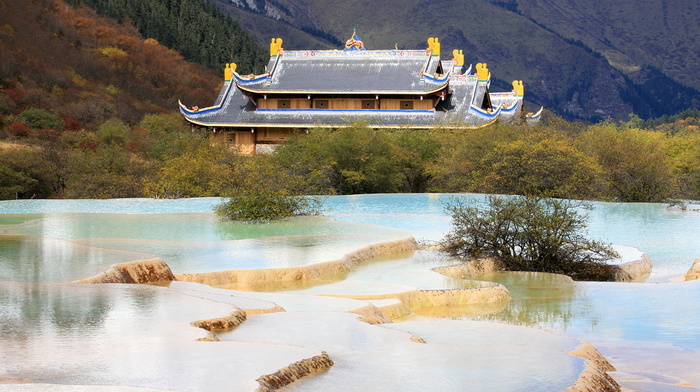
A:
(254, 300)
(73, 388)
(386, 358)
(627, 254)
(126, 335)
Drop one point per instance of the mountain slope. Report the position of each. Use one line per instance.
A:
(662, 34)
(264, 26)
(194, 28)
(528, 39)
(77, 64)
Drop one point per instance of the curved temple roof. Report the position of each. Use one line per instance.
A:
(380, 73)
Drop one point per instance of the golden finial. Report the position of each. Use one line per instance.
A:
(458, 56)
(228, 71)
(275, 46)
(354, 42)
(518, 88)
(434, 46)
(482, 72)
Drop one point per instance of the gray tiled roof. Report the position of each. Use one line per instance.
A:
(330, 70)
(350, 72)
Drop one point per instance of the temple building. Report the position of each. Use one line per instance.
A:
(333, 88)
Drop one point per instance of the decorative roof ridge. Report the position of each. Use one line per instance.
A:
(439, 85)
(355, 53)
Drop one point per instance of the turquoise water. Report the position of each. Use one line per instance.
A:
(51, 241)
(667, 236)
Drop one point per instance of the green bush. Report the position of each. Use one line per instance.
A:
(529, 234)
(353, 160)
(113, 131)
(546, 167)
(261, 190)
(41, 119)
(267, 206)
(13, 183)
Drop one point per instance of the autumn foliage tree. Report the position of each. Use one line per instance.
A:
(635, 162)
(534, 167)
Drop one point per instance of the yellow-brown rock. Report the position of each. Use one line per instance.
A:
(13, 380)
(225, 323)
(274, 309)
(142, 271)
(293, 372)
(633, 271)
(304, 276)
(394, 309)
(371, 314)
(694, 271)
(471, 268)
(594, 377)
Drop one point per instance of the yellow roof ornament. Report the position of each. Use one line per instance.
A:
(354, 42)
(482, 72)
(434, 46)
(458, 57)
(518, 88)
(276, 46)
(229, 70)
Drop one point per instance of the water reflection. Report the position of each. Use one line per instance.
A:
(124, 335)
(32, 259)
(38, 249)
(540, 300)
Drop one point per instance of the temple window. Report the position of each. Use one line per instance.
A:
(368, 104)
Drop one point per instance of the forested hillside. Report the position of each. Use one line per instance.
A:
(87, 104)
(581, 59)
(194, 28)
(88, 69)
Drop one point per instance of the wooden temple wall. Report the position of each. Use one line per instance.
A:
(247, 142)
(405, 104)
(273, 135)
(346, 104)
(294, 103)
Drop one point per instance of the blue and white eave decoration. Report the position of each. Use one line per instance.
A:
(533, 118)
(488, 114)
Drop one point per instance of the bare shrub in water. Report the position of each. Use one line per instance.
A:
(528, 234)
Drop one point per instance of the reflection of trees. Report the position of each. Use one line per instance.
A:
(236, 230)
(143, 299)
(540, 300)
(36, 309)
(32, 259)
(73, 311)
